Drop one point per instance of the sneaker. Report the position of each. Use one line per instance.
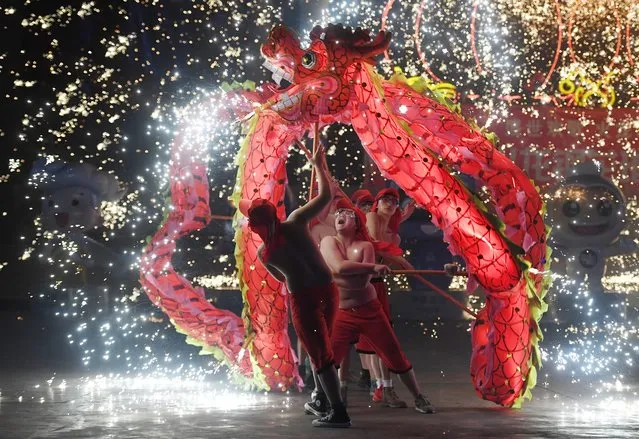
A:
(333, 420)
(318, 405)
(392, 400)
(344, 393)
(364, 381)
(423, 405)
(372, 389)
(378, 394)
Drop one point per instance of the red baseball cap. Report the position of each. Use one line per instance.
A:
(387, 192)
(362, 196)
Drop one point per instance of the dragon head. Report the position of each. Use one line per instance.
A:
(319, 79)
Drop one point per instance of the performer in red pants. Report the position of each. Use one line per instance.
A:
(350, 256)
(289, 253)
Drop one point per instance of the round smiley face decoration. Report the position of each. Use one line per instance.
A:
(72, 194)
(588, 213)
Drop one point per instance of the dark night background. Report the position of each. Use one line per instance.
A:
(80, 37)
(28, 301)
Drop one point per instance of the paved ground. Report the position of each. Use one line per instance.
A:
(50, 399)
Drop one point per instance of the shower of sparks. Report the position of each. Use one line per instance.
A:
(121, 399)
(112, 83)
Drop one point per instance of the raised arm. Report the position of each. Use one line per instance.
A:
(335, 189)
(314, 207)
(341, 266)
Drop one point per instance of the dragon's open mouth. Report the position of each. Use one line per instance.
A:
(285, 99)
(278, 73)
(588, 229)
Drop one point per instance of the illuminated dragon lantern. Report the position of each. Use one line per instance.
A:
(418, 140)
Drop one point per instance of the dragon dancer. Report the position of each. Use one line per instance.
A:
(383, 226)
(290, 255)
(351, 257)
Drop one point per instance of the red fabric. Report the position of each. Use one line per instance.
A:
(382, 296)
(262, 174)
(364, 346)
(313, 313)
(184, 303)
(368, 322)
(396, 219)
(503, 345)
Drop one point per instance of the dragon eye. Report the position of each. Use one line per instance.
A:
(308, 60)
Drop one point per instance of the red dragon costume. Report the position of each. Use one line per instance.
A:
(416, 139)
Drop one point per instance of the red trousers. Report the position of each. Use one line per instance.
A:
(368, 322)
(363, 346)
(313, 312)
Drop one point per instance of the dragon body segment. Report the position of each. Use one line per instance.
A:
(416, 153)
(262, 174)
(217, 332)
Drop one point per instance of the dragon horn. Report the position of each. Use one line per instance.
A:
(377, 46)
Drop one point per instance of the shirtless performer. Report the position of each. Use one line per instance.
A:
(363, 200)
(383, 226)
(324, 225)
(351, 258)
(291, 256)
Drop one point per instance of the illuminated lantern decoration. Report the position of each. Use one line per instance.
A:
(588, 213)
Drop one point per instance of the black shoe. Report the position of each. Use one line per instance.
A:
(317, 406)
(333, 420)
(423, 405)
(364, 381)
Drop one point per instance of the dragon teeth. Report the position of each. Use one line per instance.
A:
(278, 72)
(287, 76)
(287, 101)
